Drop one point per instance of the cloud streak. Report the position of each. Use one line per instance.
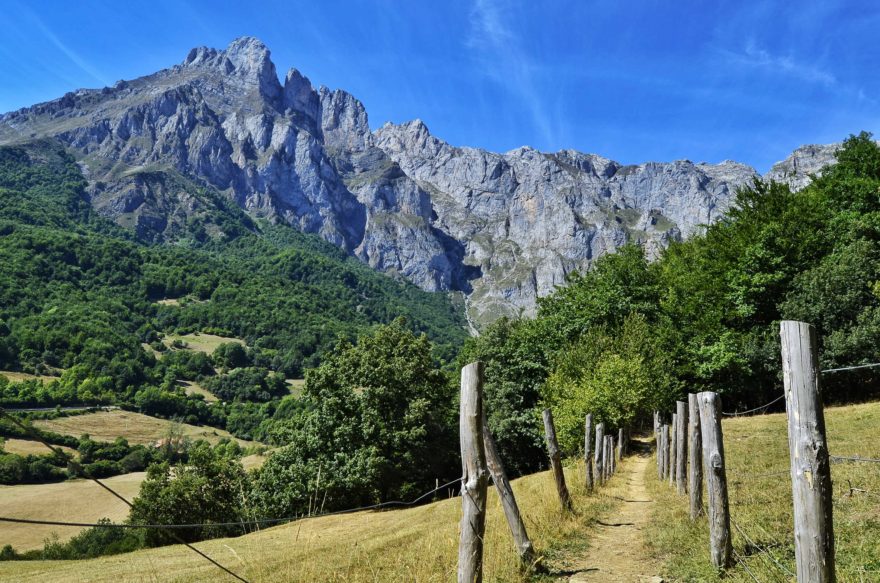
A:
(72, 55)
(503, 59)
(757, 57)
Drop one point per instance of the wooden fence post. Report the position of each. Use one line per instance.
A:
(588, 450)
(556, 461)
(521, 539)
(808, 449)
(620, 441)
(657, 442)
(600, 452)
(662, 447)
(475, 476)
(612, 465)
(720, 545)
(673, 449)
(695, 458)
(681, 449)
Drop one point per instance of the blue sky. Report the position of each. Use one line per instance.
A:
(631, 80)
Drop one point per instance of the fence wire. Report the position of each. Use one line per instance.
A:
(172, 527)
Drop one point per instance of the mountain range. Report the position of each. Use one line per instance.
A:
(503, 229)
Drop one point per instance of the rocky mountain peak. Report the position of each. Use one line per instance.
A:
(246, 60)
(502, 228)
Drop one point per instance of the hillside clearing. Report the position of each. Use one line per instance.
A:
(761, 505)
(199, 342)
(135, 427)
(71, 501)
(417, 544)
(17, 377)
(194, 388)
(29, 447)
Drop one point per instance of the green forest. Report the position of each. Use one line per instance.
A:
(377, 420)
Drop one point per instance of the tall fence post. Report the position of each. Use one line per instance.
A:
(588, 450)
(609, 458)
(521, 539)
(663, 446)
(620, 441)
(681, 447)
(600, 452)
(475, 476)
(695, 459)
(808, 449)
(556, 460)
(657, 443)
(720, 544)
(673, 449)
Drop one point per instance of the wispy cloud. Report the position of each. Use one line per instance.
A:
(753, 55)
(72, 55)
(505, 60)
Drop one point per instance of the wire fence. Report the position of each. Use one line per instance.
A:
(766, 552)
(171, 528)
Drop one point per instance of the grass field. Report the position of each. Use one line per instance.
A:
(194, 388)
(296, 386)
(418, 544)
(135, 427)
(761, 503)
(71, 501)
(199, 342)
(28, 447)
(17, 377)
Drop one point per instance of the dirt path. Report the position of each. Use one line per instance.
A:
(617, 550)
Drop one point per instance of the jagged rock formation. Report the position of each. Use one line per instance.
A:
(803, 163)
(166, 151)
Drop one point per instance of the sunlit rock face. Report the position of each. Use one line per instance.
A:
(164, 150)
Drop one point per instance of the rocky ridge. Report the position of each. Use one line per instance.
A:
(503, 229)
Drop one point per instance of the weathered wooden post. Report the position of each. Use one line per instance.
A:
(521, 539)
(600, 452)
(475, 476)
(673, 449)
(588, 450)
(695, 458)
(613, 465)
(620, 441)
(681, 449)
(606, 463)
(657, 443)
(808, 449)
(720, 545)
(556, 461)
(663, 445)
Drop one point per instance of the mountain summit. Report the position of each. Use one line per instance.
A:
(164, 152)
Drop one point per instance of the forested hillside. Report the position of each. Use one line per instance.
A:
(631, 336)
(80, 297)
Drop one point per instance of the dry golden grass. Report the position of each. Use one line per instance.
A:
(418, 544)
(71, 501)
(135, 427)
(296, 386)
(761, 503)
(17, 377)
(200, 342)
(253, 461)
(29, 447)
(194, 388)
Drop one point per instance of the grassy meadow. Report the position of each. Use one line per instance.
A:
(761, 504)
(415, 544)
(135, 427)
(70, 501)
